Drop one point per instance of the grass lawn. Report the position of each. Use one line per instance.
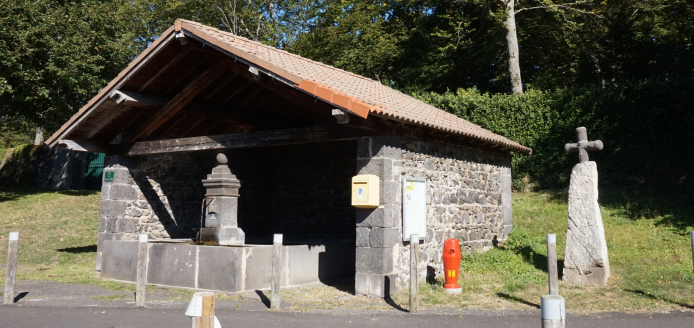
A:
(647, 237)
(649, 251)
(58, 231)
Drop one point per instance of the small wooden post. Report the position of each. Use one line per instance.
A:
(552, 264)
(276, 298)
(140, 292)
(206, 320)
(414, 275)
(12, 249)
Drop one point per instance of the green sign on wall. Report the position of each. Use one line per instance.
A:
(108, 176)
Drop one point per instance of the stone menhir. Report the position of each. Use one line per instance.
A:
(221, 222)
(585, 260)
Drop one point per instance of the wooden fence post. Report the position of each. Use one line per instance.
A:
(552, 306)
(276, 297)
(414, 274)
(552, 264)
(12, 249)
(206, 320)
(140, 293)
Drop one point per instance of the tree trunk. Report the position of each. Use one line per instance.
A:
(512, 42)
(39, 136)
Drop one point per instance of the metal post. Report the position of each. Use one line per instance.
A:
(12, 248)
(276, 298)
(141, 271)
(552, 264)
(692, 238)
(414, 274)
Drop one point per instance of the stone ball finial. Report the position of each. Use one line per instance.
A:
(221, 159)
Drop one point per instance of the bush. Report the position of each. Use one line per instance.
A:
(646, 128)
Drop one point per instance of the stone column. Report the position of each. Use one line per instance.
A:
(221, 222)
(114, 224)
(585, 259)
(379, 230)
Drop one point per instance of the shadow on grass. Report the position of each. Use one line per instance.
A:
(637, 204)
(10, 194)
(539, 261)
(653, 297)
(79, 249)
(516, 299)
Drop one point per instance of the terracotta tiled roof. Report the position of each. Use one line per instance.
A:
(356, 93)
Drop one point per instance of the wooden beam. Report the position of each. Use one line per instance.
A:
(188, 72)
(193, 126)
(245, 140)
(176, 103)
(164, 68)
(221, 85)
(132, 99)
(235, 92)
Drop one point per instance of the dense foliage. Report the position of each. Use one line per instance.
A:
(56, 55)
(645, 127)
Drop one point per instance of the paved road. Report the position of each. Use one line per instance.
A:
(93, 317)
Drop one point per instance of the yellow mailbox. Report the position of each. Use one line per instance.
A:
(365, 191)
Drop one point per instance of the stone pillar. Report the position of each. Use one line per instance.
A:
(379, 230)
(585, 259)
(221, 222)
(115, 197)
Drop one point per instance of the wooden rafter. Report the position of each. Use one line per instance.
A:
(176, 103)
(168, 64)
(220, 86)
(190, 70)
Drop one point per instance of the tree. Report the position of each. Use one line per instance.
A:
(54, 56)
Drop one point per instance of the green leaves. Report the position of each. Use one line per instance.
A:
(642, 124)
(54, 56)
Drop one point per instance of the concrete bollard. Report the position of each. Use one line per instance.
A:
(552, 306)
(201, 309)
(276, 297)
(12, 249)
(141, 289)
(414, 274)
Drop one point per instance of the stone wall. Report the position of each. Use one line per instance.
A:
(301, 191)
(468, 198)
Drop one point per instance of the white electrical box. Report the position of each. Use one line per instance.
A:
(365, 191)
(414, 208)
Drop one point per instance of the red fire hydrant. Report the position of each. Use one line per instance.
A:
(451, 265)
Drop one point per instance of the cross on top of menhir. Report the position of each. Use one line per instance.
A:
(583, 146)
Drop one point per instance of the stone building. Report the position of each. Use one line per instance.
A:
(295, 132)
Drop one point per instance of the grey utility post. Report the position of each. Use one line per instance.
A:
(583, 146)
(552, 306)
(414, 274)
(141, 271)
(276, 297)
(691, 235)
(11, 267)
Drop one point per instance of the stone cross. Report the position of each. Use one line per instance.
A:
(583, 146)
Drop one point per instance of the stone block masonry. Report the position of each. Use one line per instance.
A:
(468, 198)
(301, 191)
